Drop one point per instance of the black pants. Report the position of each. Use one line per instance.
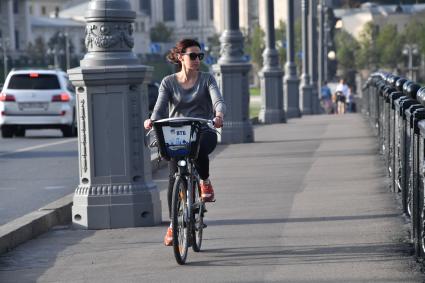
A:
(207, 143)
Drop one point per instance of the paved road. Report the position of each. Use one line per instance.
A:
(35, 170)
(308, 202)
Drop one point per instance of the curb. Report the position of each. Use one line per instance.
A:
(35, 223)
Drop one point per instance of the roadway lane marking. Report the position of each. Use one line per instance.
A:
(36, 147)
(54, 187)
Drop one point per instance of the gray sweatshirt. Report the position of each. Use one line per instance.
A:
(200, 101)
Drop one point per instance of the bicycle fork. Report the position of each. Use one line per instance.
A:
(184, 174)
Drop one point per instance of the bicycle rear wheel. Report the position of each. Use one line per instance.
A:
(197, 218)
(180, 220)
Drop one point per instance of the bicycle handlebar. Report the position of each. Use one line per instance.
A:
(181, 119)
(210, 123)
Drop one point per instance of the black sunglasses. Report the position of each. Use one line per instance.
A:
(193, 55)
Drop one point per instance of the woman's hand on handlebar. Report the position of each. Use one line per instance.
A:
(218, 121)
(148, 124)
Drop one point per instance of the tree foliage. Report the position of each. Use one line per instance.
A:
(390, 44)
(37, 50)
(346, 49)
(280, 35)
(161, 33)
(367, 55)
(254, 46)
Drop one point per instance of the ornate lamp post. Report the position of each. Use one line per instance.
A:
(232, 76)
(291, 81)
(116, 188)
(271, 76)
(305, 87)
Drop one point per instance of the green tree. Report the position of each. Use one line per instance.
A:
(280, 35)
(367, 55)
(298, 44)
(161, 33)
(346, 48)
(415, 34)
(254, 46)
(214, 45)
(37, 51)
(390, 44)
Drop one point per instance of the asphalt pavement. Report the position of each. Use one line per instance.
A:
(35, 170)
(307, 202)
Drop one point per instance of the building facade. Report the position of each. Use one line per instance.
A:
(141, 23)
(187, 18)
(15, 24)
(45, 8)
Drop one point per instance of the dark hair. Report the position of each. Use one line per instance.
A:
(181, 47)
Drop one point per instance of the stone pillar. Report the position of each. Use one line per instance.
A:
(313, 50)
(231, 73)
(11, 22)
(116, 188)
(291, 81)
(271, 76)
(305, 87)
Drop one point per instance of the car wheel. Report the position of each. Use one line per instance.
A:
(7, 131)
(67, 131)
(20, 132)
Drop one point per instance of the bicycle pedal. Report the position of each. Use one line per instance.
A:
(204, 225)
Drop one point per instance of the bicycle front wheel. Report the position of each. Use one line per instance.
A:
(180, 220)
(197, 217)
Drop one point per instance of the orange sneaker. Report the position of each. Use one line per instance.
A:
(207, 192)
(168, 239)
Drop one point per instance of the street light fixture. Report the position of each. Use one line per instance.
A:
(410, 50)
(54, 51)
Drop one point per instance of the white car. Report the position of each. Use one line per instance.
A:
(37, 99)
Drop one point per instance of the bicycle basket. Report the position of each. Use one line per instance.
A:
(178, 139)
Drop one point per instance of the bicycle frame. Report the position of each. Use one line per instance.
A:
(186, 171)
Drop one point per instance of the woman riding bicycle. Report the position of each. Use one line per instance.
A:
(190, 93)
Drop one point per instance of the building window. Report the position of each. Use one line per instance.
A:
(142, 27)
(168, 10)
(17, 40)
(16, 7)
(136, 26)
(0, 6)
(145, 6)
(212, 9)
(43, 10)
(31, 9)
(192, 13)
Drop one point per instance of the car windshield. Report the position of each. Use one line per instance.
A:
(34, 81)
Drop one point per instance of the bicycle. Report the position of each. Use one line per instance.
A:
(178, 139)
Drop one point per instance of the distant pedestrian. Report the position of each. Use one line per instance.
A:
(342, 92)
(351, 106)
(326, 98)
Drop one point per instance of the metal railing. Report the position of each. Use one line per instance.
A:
(395, 109)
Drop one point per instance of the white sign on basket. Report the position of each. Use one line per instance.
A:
(176, 135)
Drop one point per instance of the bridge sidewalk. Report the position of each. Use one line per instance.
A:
(307, 202)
